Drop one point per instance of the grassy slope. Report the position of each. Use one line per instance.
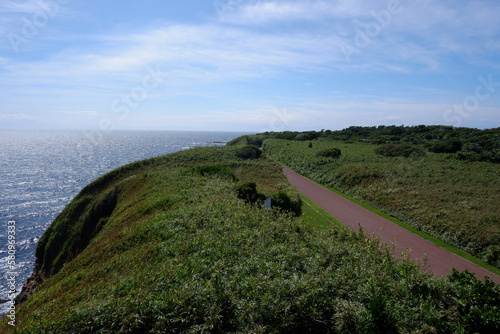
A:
(181, 253)
(455, 201)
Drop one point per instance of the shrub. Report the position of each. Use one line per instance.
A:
(218, 170)
(334, 153)
(478, 303)
(358, 175)
(399, 150)
(310, 135)
(282, 201)
(382, 320)
(248, 152)
(248, 192)
(477, 154)
(451, 146)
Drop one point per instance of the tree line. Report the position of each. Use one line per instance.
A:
(461, 143)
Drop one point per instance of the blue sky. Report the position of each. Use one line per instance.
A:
(247, 65)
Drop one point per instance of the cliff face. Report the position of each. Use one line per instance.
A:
(73, 229)
(133, 193)
(91, 209)
(71, 232)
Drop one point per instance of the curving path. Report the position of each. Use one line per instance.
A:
(439, 260)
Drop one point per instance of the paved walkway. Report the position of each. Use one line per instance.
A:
(439, 260)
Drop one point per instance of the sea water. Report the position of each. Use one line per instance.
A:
(41, 171)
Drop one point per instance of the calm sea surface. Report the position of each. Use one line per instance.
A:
(41, 171)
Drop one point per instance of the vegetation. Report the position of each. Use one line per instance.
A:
(248, 192)
(179, 245)
(455, 201)
(249, 152)
(215, 170)
(333, 153)
(399, 150)
(281, 200)
(459, 143)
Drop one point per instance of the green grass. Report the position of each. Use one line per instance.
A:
(455, 202)
(324, 219)
(314, 214)
(424, 235)
(181, 253)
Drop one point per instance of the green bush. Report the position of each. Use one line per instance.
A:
(248, 152)
(451, 146)
(477, 154)
(334, 153)
(282, 201)
(248, 192)
(309, 135)
(218, 170)
(382, 321)
(478, 303)
(399, 150)
(358, 176)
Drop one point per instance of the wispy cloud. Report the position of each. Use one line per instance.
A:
(261, 12)
(21, 116)
(79, 112)
(264, 12)
(208, 52)
(25, 7)
(414, 32)
(251, 43)
(204, 53)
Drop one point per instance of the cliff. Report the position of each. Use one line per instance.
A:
(182, 243)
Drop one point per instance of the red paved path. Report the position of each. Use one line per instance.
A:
(439, 260)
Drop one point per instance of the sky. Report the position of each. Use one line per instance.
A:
(248, 65)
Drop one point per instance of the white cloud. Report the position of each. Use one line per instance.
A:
(276, 11)
(10, 117)
(417, 35)
(212, 52)
(79, 112)
(186, 53)
(261, 12)
(254, 41)
(25, 7)
(28, 25)
(461, 28)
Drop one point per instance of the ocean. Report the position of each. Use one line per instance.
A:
(41, 171)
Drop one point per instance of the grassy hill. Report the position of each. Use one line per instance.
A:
(401, 171)
(182, 244)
